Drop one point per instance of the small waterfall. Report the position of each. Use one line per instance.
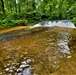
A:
(55, 23)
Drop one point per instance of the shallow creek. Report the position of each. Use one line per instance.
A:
(38, 51)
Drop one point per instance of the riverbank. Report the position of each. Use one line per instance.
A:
(12, 29)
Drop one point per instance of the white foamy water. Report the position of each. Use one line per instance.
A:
(64, 39)
(57, 23)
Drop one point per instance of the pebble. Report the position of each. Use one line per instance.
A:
(5, 66)
(26, 52)
(35, 74)
(19, 69)
(8, 64)
(55, 62)
(25, 58)
(69, 57)
(10, 70)
(24, 62)
(0, 73)
(22, 66)
(54, 66)
(17, 63)
(7, 69)
(28, 60)
(11, 67)
(21, 56)
(13, 63)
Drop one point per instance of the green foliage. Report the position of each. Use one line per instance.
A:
(20, 22)
(27, 12)
(11, 23)
(74, 20)
(33, 16)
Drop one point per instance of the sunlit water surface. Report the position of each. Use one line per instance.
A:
(38, 51)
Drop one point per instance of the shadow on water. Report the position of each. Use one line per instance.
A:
(37, 51)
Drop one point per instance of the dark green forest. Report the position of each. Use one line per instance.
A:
(28, 12)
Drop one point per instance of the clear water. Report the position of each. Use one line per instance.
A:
(38, 51)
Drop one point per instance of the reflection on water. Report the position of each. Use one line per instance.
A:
(36, 54)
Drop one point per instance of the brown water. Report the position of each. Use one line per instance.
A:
(39, 51)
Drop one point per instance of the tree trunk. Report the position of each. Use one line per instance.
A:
(60, 9)
(33, 5)
(19, 8)
(15, 7)
(3, 7)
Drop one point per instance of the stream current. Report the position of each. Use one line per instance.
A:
(38, 50)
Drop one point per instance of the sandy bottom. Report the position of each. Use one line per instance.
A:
(38, 51)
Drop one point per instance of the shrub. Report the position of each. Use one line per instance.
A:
(12, 23)
(74, 21)
(20, 22)
(7, 23)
